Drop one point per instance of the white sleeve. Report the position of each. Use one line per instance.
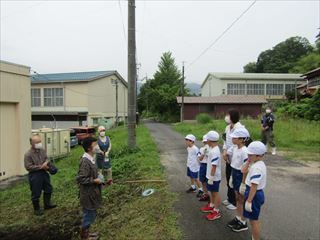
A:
(256, 176)
(215, 159)
(244, 156)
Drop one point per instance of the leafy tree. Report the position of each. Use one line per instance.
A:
(281, 58)
(251, 67)
(307, 63)
(159, 94)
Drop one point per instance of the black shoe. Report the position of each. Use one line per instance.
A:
(233, 222)
(204, 198)
(38, 212)
(191, 190)
(199, 194)
(239, 227)
(47, 207)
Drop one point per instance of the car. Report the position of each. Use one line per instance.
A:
(73, 138)
(83, 132)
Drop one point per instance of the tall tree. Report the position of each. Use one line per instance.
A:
(159, 94)
(282, 57)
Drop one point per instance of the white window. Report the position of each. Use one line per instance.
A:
(236, 89)
(275, 89)
(35, 97)
(255, 89)
(290, 87)
(53, 97)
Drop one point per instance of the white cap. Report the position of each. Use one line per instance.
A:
(204, 138)
(101, 128)
(256, 148)
(240, 133)
(212, 136)
(190, 137)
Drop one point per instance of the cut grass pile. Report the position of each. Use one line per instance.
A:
(124, 214)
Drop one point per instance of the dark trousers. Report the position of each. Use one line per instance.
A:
(231, 194)
(39, 180)
(88, 217)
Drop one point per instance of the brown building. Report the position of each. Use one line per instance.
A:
(312, 82)
(218, 106)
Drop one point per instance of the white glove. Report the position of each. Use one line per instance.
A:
(242, 188)
(230, 181)
(210, 181)
(248, 206)
(106, 154)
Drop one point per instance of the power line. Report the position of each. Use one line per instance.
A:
(222, 34)
(123, 27)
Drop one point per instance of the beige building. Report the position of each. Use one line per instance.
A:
(270, 85)
(64, 100)
(15, 118)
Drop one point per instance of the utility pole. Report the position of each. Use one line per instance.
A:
(115, 83)
(182, 95)
(131, 75)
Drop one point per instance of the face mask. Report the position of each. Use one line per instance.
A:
(102, 134)
(268, 111)
(227, 119)
(38, 145)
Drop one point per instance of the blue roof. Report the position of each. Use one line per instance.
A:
(70, 77)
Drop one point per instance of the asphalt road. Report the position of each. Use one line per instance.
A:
(291, 210)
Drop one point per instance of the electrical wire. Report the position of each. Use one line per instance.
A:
(223, 33)
(123, 27)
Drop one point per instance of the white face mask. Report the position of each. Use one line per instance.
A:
(38, 145)
(268, 111)
(102, 134)
(227, 119)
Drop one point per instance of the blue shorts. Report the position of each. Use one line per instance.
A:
(214, 187)
(203, 172)
(192, 174)
(257, 202)
(236, 179)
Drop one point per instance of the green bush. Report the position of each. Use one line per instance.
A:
(203, 118)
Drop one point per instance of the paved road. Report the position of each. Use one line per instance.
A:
(291, 210)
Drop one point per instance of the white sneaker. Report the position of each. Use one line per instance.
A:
(274, 151)
(226, 202)
(231, 207)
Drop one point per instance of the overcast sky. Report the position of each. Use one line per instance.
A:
(69, 36)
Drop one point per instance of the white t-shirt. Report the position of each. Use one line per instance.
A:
(239, 157)
(204, 151)
(258, 175)
(214, 158)
(228, 145)
(192, 161)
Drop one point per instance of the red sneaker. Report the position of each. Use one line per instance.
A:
(213, 216)
(206, 208)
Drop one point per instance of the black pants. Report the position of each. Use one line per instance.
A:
(231, 194)
(39, 180)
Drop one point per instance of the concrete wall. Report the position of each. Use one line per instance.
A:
(217, 87)
(104, 103)
(75, 97)
(15, 118)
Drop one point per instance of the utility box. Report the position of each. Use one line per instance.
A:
(56, 142)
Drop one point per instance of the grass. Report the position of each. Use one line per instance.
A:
(124, 214)
(296, 139)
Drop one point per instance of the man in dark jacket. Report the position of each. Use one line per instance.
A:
(90, 187)
(267, 129)
(36, 163)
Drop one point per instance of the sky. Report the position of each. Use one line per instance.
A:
(75, 36)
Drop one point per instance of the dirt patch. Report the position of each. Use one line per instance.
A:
(62, 230)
